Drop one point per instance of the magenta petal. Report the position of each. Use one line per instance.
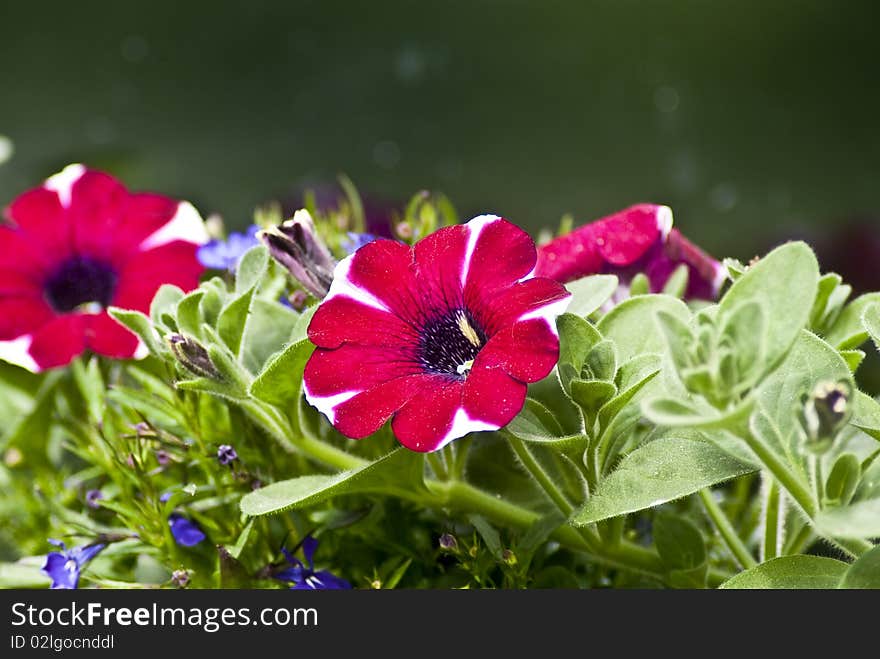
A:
(440, 263)
(173, 263)
(366, 412)
(342, 319)
(22, 315)
(354, 368)
(521, 298)
(527, 351)
(57, 342)
(503, 254)
(39, 214)
(492, 396)
(385, 269)
(107, 337)
(425, 421)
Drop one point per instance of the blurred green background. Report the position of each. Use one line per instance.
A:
(755, 121)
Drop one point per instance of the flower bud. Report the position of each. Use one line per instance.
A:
(180, 578)
(193, 356)
(448, 542)
(826, 411)
(509, 557)
(295, 244)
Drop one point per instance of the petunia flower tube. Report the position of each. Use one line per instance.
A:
(638, 239)
(63, 567)
(443, 336)
(77, 245)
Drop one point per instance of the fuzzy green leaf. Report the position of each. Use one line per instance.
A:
(865, 572)
(843, 480)
(251, 269)
(790, 572)
(859, 520)
(189, 317)
(662, 470)
(140, 325)
(280, 382)
(784, 282)
(233, 318)
(629, 325)
(165, 302)
(590, 293)
(399, 472)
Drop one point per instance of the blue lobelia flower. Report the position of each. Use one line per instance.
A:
(185, 532)
(354, 241)
(307, 578)
(224, 254)
(63, 567)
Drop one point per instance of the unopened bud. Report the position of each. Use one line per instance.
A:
(226, 455)
(448, 542)
(193, 356)
(180, 578)
(508, 557)
(826, 411)
(295, 244)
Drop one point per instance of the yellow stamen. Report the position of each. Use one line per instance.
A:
(469, 332)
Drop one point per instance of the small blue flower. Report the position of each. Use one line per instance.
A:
(224, 254)
(355, 241)
(185, 532)
(226, 455)
(93, 497)
(307, 578)
(63, 567)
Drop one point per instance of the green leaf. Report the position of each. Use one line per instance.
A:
(676, 285)
(865, 572)
(630, 324)
(858, 520)
(535, 423)
(871, 323)
(848, 330)
(236, 549)
(639, 285)
(853, 358)
(590, 293)
(601, 361)
(613, 407)
(788, 572)
(663, 470)
(489, 534)
(269, 328)
(843, 480)
(165, 302)
(679, 338)
(828, 283)
(251, 269)
(280, 382)
(189, 318)
(140, 325)
(675, 413)
(866, 414)
(680, 544)
(22, 575)
(399, 473)
(785, 281)
(576, 338)
(591, 395)
(233, 318)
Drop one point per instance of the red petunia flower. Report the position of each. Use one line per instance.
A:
(637, 239)
(78, 244)
(443, 336)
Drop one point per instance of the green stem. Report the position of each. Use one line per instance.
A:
(537, 471)
(437, 466)
(734, 543)
(799, 541)
(798, 490)
(772, 520)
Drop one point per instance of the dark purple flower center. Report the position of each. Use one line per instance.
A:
(80, 280)
(450, 342)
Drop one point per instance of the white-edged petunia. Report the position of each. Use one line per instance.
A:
(441, 337)
(78, 244)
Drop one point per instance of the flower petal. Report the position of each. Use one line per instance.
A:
(527, 351)
(532, 297)
(56, 568)
(174, 263)
(366, 412)
(22, 315)
(440, 262)
(354, 368)
(425, 423)
(57, 342)
(492, 397)
(106, 336)
(381, 274)
(39, 214)
(185, 225)
(345, 320)
(18, 352)
(617, 240)
(499, 254)
(23, 256)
